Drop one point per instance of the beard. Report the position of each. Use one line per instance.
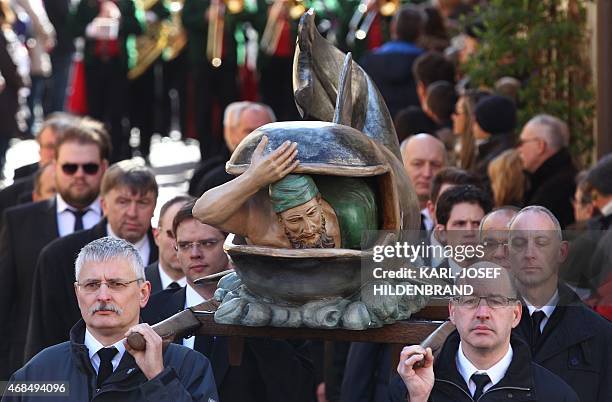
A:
(78, 199)
(323, 239)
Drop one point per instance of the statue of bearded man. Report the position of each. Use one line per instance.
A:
(271, 207)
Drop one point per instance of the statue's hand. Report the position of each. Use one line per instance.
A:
(268, 169)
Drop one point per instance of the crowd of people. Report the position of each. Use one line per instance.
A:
(82, 266)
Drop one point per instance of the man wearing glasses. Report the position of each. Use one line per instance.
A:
(80, 160)
(270, 371)
(110, 288)
(543, 149)
(480, 361)
(565, 336)
(129, 193)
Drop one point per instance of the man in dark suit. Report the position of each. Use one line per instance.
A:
(167, 273)
(565, 336)
(24, 176)
(80, 162)
(270, 371)
(128, 192)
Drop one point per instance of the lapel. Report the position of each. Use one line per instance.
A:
(154, 254)
(47, 223)
(152, 275)
(219, 358)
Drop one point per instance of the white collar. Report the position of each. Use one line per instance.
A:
(495, 372)
(93, 346)
(166, 280)
(142, 245)
(62, 205)
(192, 298)
(547, 308)
(428, 222)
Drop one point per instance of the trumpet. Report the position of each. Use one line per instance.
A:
(216, 25)
(362, 18)
(275, 23)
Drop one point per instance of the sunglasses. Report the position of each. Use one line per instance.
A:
(88, 168)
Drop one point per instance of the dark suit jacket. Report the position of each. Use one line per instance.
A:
(576, 346)
(10, 196)
(271, 371)
(152, 275)
(25, 171)
(54, 305)
(26, 230)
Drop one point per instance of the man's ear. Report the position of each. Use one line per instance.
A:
(431, 208)
(451, 312)
(145, 292)
(441, 233)
(517, 314)
(104, 205)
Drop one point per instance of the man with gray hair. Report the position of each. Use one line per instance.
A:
(129, 193)
(239, 120)
(542, 147)
(111, 289)
(565, 336)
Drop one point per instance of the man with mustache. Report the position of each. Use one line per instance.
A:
(565, 336)
(111, 288)
(270, 370)
(81, 156)
(271, 207)
(480, 361)
(129, 193)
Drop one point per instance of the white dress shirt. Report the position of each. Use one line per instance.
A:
(495, 372)
(547, 309)
(192, 298)
(93, 345)
(66, 219)
(142, 245)
(427, 221)
(166, 280)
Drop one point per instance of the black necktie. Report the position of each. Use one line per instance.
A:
(480, 380)
(423, 227)
(173, 285)
(106, 367)
(78, 218)
(536, 321)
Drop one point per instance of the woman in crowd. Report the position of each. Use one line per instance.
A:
(507, 179)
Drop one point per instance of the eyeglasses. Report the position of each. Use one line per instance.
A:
(112, 285)
(88, 168)
(493, 301)
(522, 142)
(186, 246)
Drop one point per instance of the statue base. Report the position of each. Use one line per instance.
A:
(364, 310)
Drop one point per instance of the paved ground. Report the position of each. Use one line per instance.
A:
(171, 159)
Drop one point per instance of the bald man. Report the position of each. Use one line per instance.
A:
(494, 234)
(239, 120)
(424, 156)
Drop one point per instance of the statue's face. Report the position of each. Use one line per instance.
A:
(305, 225)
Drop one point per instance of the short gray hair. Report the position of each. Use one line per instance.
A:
(541, 210)
(107, 249)
(556, 134)
(231, 115)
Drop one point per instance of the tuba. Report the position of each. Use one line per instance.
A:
(275, 23)
(164, 38)
(216, 26)
(362, 18)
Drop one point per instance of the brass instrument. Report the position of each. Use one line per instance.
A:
(362, 18)
(216, 25)
(164, 38)
(275, 23)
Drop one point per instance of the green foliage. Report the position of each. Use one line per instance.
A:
(543, 43)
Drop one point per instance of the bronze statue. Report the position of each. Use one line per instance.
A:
(310, 200)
